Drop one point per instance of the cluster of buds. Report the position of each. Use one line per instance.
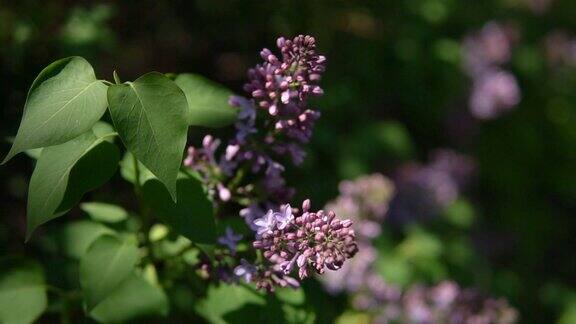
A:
(282, 86)
(309, 241)
(275, 121)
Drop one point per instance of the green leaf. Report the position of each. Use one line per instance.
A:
(64, 101)
(128, 171)
(207, 101)
(149, 115)
(291, 296)
(106, 213)
(22, 291)
(135, 298)
(74, 238)
(192, 215)
(34, 153)
(225, 299)
(460, 213)
(105, 265)
(65, 172)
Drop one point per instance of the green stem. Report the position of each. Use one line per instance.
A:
(147, 221)
(137, 184)
(65, 316)
(67, 297)
(116, 77)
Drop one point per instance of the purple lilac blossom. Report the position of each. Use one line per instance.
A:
(491, 46)
(309, 241)
(495, 91)
(245, 270)
(279, 88)
(230, 240)
(274, 122)
(267, 278)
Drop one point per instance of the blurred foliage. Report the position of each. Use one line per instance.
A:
(394, 89)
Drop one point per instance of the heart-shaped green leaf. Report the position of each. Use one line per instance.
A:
(133, 299)
(64, 101)
(105, 265)
(65, 172)
(207, 101)
(22, 291)
(150, 117)
(192, 215)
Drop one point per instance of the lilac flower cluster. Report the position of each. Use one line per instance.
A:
(280, 88)
(387, 303)
(364, 200)
(368, 196)
(309, 241)
(274, 122)
(446, 303)
(425, 190)
(495, 90)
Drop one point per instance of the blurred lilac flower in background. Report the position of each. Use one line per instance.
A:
(445, 302)
(367, 196)
(423, 191)
(494, 91)
(560, 48)
(538, 6)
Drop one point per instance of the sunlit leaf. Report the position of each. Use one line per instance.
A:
(65, 172)
(103, 212)
(64, 101)
(107, 263)
(150, 117)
